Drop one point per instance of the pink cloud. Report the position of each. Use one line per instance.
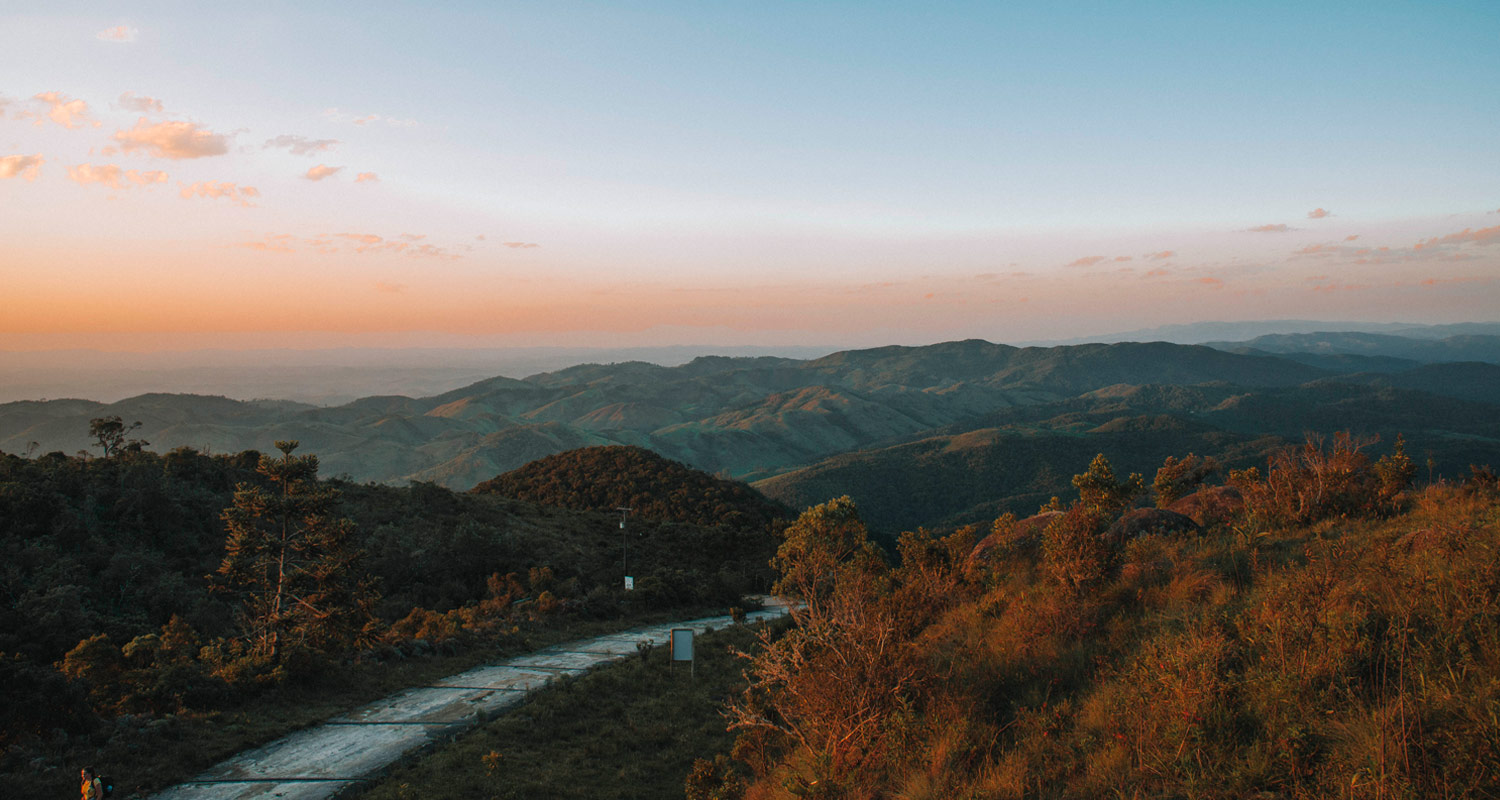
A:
(341, 116)
(1319, 213)
(1157, 273)
(119, 33)
(1275, 228)
(111, 175)
(1348, 287)
(1483, 236)
(362, 238)
(321, 171)
(140, 105)
(300, 145)
(1211, 282)
(413, 237)
(27, 167)
(389, 288)
(520, 245)
(1086, 261)
(1123, 258)
(1465, 279)
(366, 177)
(1351, 237)
(174, 140)
(66, 112)
(1161, 255)
(214, 190)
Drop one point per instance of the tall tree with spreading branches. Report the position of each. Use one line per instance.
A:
(293, 561)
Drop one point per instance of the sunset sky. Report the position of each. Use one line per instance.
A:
(177, 175)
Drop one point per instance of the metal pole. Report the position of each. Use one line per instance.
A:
(624, 543)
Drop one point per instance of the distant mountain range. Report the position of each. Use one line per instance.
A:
(939, 434)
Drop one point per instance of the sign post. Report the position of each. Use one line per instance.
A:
(682, 649)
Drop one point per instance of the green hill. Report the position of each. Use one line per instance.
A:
(609, 478)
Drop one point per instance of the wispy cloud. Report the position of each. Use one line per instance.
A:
(1279, 227)
(1213, 283)
(1483, 236)
(174, 140)
(366, 177)
(300, 145)
(321, 171)
(65, 111)
(1463, 279)
(140, 104)
(1156, 273)
(20, 166)
(1161, 255)
(365, 119)
(1088, 261)
(119, 33)
(219, 189)
(112, 176)
(520, 245)
(1319, 213)
(389, 288)
(1351, 237)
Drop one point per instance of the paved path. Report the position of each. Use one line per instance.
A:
(319, 762)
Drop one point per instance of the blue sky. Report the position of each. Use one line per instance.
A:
(686, 163)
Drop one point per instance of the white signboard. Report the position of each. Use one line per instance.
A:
(629, 583)
(682, 644)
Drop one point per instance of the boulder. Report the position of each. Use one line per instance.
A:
(1143, 521)
(1210, 506)
(1023, 535)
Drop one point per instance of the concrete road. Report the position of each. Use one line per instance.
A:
(319, 762)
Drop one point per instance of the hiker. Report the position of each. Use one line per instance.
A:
(93, 788)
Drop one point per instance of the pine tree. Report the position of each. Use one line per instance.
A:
(293, 561)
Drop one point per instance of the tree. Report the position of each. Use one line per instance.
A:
(292, 561)
(110, 432)
(1178, 478)
(1101, 494)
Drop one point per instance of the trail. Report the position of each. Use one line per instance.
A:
(323, 760)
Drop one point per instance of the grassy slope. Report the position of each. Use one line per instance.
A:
(629, 730)
(146, 754)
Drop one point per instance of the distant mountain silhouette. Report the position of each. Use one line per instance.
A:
(755, 418)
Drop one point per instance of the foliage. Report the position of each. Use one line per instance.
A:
(1180, 477)
(857, 624)
(292, 562)
(617, 476)
(109, 434)
(1312, 482)
(1326, 644)
(1101, 494)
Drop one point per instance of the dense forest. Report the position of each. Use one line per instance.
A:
(179, 586)
(609, 478)
(1314, 627)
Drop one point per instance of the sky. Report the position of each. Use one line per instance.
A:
(250, 175)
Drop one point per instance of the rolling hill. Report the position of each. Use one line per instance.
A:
(757, 418)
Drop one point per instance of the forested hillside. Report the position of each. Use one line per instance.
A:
(1317, 627)
(142, 586)
(616, 477)
(759, 418)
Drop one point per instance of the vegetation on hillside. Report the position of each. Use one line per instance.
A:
(1336, 636)
(160, 592)
(613, 477)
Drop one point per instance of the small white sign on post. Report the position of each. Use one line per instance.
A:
(629, 583)
(682, 648)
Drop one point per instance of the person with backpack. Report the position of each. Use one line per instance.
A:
(93, 788)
